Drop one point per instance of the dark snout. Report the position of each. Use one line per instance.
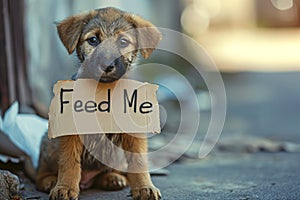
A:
(112, 71)
(104, 65)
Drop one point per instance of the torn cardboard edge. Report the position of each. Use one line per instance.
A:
(86, 106)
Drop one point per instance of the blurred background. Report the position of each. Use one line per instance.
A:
(255, 44)
(255, 35)
(249, 36)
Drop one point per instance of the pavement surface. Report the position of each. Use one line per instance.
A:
(225, 176)
(257, 156)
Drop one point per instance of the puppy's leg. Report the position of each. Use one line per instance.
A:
(69, 169)
(111, 181)
(46, 179)
(141, 185)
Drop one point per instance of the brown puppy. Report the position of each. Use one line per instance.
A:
(107, 42)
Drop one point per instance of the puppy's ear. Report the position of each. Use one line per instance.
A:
(148, 36)
(70, 29)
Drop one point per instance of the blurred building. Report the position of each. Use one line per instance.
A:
(259, 35)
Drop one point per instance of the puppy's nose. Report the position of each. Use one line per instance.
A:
(109, 69)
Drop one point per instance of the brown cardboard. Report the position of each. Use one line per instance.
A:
(86, 106)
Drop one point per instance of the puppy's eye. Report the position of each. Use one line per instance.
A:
(93, 41)
(123, 42)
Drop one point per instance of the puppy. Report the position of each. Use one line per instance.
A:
(107, 42)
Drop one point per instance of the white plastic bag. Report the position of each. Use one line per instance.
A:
(24, 130)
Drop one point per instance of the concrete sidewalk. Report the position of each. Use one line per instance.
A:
(265, 176)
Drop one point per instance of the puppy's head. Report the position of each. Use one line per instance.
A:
(107, 41)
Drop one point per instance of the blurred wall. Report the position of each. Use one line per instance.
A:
(248, 35)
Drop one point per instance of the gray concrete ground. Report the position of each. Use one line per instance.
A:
(257, 157)
(224, 176)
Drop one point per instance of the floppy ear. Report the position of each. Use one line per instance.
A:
(70, 29)
(148, 36)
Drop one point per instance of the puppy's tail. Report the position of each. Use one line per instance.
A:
(29, 169)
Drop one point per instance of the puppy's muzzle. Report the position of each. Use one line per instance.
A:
(107, 63)
(104, 65)
(113, 71)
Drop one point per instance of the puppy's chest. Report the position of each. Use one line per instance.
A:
(101, 150)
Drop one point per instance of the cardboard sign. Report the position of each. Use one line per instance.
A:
(86, 106)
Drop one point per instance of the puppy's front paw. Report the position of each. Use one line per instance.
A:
(63, 193)
(146, 193)
(112, 181)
